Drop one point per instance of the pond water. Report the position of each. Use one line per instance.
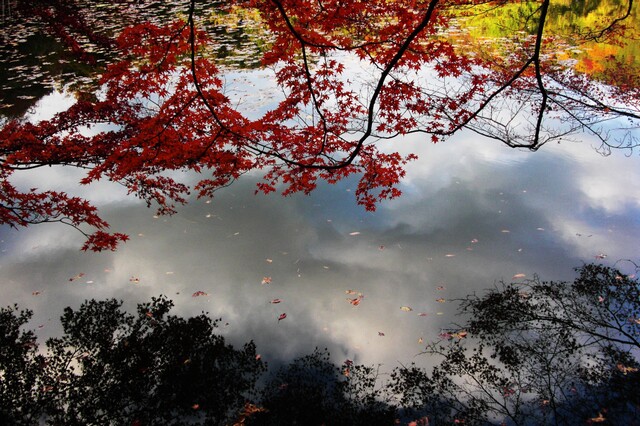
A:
(473, 212)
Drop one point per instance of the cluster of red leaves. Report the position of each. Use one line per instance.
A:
(163, 108)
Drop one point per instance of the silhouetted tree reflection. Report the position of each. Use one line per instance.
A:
(530, 352)
(314, 391)
(111, 367)
(537, 352)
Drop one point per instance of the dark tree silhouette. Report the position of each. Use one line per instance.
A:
(111, 367)
(20, 369)
(537, 353)
(314, 391)
(530, 353)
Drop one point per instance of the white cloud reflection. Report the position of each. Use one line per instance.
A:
(473, 212)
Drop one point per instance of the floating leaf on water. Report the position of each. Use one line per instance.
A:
(76, 277)
(420, 340)
(422, 314)
(440, 300)
(505, 231)
(459, 335)
(625, 370)
(440, 288)
(36, 293)
(356, 301)
(380, 333)
(134, 280)
(474, 241)
(449, 255)
(601, 256)
(517, 276)
(354, 233)
(406, 308)
(266, 280)
(282, 316)
(269, 260)
(199, 293)
(274, 301)
(351, 292)
(598, 419)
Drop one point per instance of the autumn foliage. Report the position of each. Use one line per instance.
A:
(351, 73)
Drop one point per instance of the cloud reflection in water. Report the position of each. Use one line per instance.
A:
(473, 212)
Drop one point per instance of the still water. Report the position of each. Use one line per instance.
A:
(473, 212)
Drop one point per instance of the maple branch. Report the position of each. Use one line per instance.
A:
(600, 35)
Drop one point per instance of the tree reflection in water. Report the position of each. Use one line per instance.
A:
(530, 352)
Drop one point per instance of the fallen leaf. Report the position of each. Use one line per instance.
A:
(274, 301)
(445, 335)
(406, 308)
(474, 241)
(380, 333)
(195, 406)
(78, 276)
(199, 293)
(440, 288)
(600, 256)
(422, 314)
(354, 233)
(36, 293)
(269, 260)
(258, 357)
(420, 340)
(356, 301)
(441, 300)
(134, 280)
(266, 280)
(517, 276)
(449, 255)
(460, 334)
(350, 292)
(624, 369)
(598, 419)
(505, 231)
(281, 317)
